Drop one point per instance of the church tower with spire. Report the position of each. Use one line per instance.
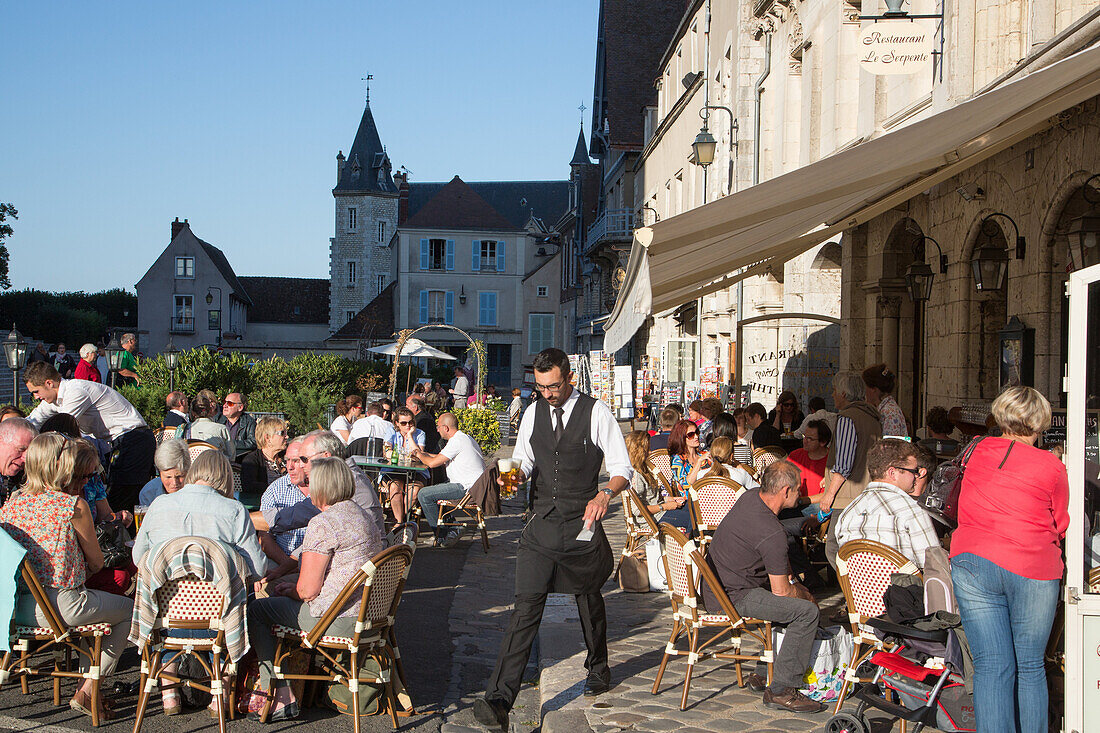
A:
(360, 256)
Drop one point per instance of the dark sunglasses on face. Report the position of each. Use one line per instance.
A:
(915, 471)
(404, 422)
(692, 434)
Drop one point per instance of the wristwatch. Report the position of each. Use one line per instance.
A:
(609, 492)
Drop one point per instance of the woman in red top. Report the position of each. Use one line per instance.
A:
(86, 368)
(1006, 562)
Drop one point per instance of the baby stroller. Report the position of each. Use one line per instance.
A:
(934, 696)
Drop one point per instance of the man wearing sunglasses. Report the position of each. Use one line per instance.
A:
(242, 426)
(563, 441)
(887, 511)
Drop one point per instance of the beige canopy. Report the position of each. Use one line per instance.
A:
(713, 246)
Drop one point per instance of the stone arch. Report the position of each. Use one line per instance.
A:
(988, 312)
(903, 246)
(476, 344)
(828, 257)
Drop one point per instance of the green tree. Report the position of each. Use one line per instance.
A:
(6, 210)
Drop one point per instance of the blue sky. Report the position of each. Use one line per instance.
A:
(117, 117)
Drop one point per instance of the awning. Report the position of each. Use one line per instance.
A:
(713, 246)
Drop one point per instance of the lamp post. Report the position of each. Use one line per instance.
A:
(1084, 230)
(919, 275)
(114, 358)
(171, 359)
(15, 351)
(209, 300)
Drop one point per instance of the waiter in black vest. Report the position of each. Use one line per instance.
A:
(563, 440)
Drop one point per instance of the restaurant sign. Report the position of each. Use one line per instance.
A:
(895, 48)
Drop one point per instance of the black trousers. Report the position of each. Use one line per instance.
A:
(515, 649)
(131, 467)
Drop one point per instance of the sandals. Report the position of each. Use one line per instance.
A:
(107, 712)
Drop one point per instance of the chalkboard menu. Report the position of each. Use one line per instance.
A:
(1057, 432)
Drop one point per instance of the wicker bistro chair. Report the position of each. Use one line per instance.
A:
(164, 434)
(451, 514)
(379, 584)
(57, 640)
(685, 565)
(712, 497)
(188, 603)
(766, 456)
(195, 447)
(661, 465)
(405, 533)
(864, 568)
(639, 530)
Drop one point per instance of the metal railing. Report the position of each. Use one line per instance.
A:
(613, 224)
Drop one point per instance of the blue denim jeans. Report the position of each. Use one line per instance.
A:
(1007, 619)
(429, 497)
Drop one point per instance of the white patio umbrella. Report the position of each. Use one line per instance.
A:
(414, 348)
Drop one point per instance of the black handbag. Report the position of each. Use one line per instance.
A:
(942, 492)
(112, 537)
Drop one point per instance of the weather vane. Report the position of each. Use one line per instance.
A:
(582, 108)
(367, 79)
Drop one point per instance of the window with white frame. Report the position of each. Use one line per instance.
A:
(353, 217)
(381, 232)
(542, 291)
(185, 267)
(352, 274)
(183, 313)
(487, 309)
(436, 306)
(681, 361)
(540, 332)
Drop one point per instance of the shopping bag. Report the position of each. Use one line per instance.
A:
(655, 564)
(829, 658)
(633, 572)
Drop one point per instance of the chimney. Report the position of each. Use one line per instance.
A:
(178, 225)
(402, 197)
(339, 165)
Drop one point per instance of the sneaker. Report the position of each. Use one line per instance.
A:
(793, 700)
(452, 538)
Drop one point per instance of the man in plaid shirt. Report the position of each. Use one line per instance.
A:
(886, 511)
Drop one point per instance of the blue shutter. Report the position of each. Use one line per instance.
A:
(423, 306)
(475, 249)
(491, 308)
(500, 256)
(449, 306)
(423, 254)
(450, 254)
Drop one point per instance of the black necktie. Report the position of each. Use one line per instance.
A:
(559, 419)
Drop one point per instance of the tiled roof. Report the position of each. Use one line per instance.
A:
(635, 35)
(516, 201)
(580, 154)
(367, 167)
(287, 299)
(376, 320)
(457, 206)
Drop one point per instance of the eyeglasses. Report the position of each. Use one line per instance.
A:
(307, 459)
(283, 433)
(810, 437)
(692, 434)
(550, 387)
(915, 471)
(404, 422)
(230, 403)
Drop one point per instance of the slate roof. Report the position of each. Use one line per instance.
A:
(376, 320)
(287, 299)
(635, 34)
(367, 167)
(185, 236)
(580, 154)
(515, 201)
(457, 206)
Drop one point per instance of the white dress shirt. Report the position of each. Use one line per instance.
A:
(372, 426)
(605, 433)
(98, 409)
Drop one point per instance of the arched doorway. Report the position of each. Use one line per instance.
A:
(477, 345)
(906, 345)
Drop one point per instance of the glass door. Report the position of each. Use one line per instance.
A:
(1081, 662)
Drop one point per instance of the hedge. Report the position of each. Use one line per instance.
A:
(302, 387)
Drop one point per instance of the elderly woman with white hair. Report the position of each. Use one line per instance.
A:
(1006, 561)
(86, 368)
(203, 507)
(337, 543)
(172, 460)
